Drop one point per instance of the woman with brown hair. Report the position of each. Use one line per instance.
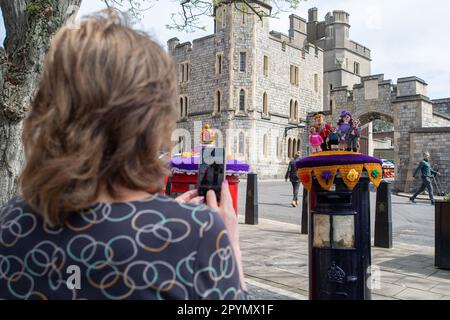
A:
(89, 223)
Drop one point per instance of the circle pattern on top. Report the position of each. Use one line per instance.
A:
(149, 249)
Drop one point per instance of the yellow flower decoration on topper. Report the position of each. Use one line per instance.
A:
(353, 175)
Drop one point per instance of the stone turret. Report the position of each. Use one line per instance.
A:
(172, 43)
(411, 86)
(297, 30)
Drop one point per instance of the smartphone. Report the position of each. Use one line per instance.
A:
(211, 171)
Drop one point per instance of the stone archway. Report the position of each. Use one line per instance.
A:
(367, 143)
(369, 117)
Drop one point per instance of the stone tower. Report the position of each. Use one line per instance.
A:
(345, 61)
(254, 85)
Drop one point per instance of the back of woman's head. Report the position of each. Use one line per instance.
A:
(103, 112)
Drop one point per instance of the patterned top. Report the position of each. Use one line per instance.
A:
(149, 249)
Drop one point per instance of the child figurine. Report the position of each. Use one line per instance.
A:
(333, 139)
(353, 136)
(315, 141)
(344, 125)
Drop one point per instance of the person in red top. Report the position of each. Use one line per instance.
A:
(322, 128)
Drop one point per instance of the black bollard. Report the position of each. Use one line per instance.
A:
(251, 202)
(383, 216)
(168, 187)
(305, 207)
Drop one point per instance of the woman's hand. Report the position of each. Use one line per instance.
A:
(225, 210)
(228, 215)
(190, 197)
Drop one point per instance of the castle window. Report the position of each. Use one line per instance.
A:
(242, 61)
(294, 146)
(242, 100)
(265, 105)
(291, 74)
(296, 111)
(186, 100)
(316, 82)
(218, 101)
(219, 59)
(181, 72)
(265, 146)
(299, 147)
(294, 142)
(294, 75)
(184, 72)
(291, 110)
(181, 107)
(289, 148)
(266, 66)
(356, 68)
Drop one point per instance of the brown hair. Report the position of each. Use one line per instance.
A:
(103, 112)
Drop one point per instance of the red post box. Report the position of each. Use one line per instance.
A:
(182, 182)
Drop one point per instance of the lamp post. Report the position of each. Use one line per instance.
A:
(298, 126)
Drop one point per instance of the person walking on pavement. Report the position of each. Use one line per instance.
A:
(291, 173)
(426, 173)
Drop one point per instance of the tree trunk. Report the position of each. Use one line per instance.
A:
(29, 26)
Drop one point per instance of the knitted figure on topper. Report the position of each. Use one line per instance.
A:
(322, 128)
(333, 139)
(344, 125)
(315, 141)
(353, 136)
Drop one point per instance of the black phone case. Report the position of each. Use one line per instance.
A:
(202, 192)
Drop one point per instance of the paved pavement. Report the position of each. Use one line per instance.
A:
(275, 258)
(275, 254)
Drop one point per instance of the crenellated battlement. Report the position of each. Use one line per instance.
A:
(376, 87)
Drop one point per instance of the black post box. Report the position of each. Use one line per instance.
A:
(339, 223)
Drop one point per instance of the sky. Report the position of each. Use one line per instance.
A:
(406, 37)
